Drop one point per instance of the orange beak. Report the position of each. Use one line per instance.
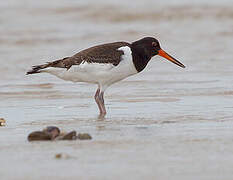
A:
(170, 58)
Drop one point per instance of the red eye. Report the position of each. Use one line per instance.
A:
(154, 44)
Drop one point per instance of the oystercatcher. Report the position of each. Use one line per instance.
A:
(105, 64)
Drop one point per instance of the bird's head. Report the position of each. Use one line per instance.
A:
(150, 47)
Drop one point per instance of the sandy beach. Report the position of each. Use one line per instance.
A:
(163, 123)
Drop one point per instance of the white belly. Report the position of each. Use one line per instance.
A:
(98, 73)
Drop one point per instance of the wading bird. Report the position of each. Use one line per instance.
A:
(105, 64)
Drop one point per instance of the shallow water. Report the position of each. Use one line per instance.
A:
(164, 123)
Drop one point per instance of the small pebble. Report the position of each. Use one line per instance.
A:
(53, 131)
(2, 122)
(62, 156)
(58, 156)
(39, 136)
(84, 136)
(70, 136)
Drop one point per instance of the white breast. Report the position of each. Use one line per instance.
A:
(126, 67)
(100, 73)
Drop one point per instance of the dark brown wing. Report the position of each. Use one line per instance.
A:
(105, 53)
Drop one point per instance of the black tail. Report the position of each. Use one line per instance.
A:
(36, 69)
(58, 63)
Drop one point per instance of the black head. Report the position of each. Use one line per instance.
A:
(148, 47)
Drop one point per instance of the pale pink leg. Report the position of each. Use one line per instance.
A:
(100, 102)
(101, 96)
(97, 98)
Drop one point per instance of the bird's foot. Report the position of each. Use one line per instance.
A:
(101, 115)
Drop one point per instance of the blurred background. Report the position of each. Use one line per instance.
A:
(184, 115)
(198, 33)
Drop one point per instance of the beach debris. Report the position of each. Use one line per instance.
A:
(70, 136)
(2, 122)
(58, 156)
(84, 136)
(63, 156)
(39, 136)
(47, 134)
(67, 136)
(51, 133)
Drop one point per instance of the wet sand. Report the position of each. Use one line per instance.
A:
(164, 123)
